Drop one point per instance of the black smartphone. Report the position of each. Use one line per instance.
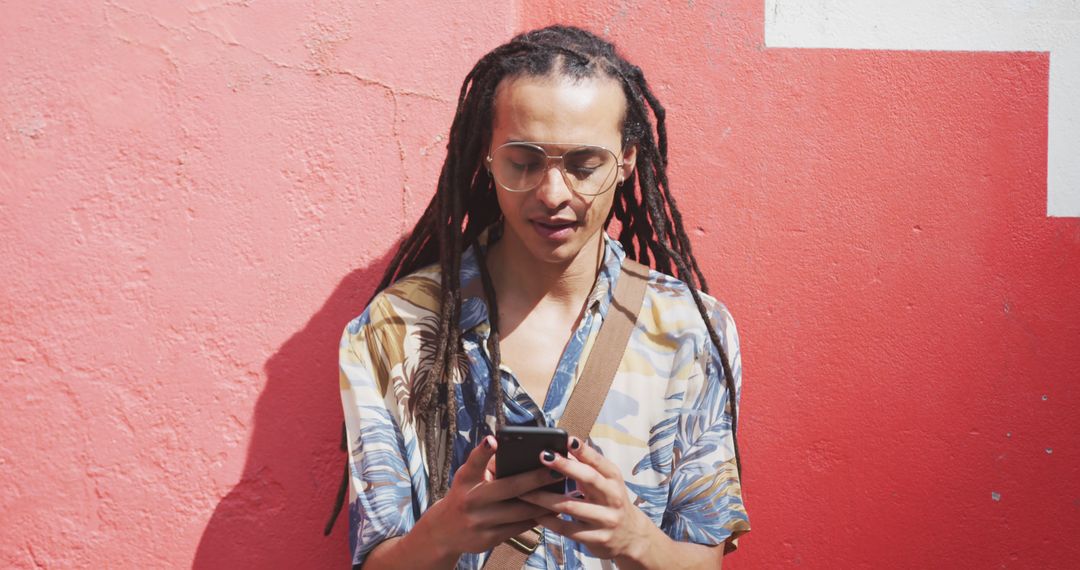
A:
(520, 448)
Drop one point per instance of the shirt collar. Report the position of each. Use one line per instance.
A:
(474, 311)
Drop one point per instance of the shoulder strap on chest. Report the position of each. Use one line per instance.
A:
(591, 389)
(607, 352)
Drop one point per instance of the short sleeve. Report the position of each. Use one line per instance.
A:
(705, 503)
(380, 491)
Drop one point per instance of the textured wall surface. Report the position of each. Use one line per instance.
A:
(196, 196)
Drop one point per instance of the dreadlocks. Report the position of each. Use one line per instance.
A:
(651, 229)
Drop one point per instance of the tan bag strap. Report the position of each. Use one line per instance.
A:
(590, 392)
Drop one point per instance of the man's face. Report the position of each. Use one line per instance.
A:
(551, 221)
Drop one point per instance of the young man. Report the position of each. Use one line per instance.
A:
(492, 305)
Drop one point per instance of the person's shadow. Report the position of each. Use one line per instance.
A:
(274, 516)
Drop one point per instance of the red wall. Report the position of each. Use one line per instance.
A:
(195, 197)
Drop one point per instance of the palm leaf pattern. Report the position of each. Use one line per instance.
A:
(384, 502)
(661, 441)
(423, 371)
(705, 505)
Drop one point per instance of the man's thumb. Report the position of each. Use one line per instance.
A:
(476, 463)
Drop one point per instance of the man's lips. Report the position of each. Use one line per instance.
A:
(554, 229)
(554, 223)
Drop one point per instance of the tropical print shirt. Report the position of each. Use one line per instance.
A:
(666, 422)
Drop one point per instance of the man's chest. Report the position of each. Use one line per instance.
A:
(534, 346)
(533, 356)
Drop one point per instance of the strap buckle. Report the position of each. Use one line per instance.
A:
(524, 543)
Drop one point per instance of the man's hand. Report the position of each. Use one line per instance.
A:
(604, 520)
(480, 511)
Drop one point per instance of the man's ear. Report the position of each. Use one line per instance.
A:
(629, 159)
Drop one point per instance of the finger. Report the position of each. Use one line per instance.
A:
(582, 511)
(575, 531)
(472, 471)
(489, 474)
(590, 456)
(509, 512)
(586, 476)
(515, 485)
(563, 527)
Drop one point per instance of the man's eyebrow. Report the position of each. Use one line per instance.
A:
(562, 145)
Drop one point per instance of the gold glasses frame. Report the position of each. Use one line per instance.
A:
(573, 147)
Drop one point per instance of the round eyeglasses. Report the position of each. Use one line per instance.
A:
(521, 166)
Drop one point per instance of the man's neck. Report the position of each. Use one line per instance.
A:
(520, 279)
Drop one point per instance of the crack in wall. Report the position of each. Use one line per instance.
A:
(311, 69)
(402, 163)
(305, 68)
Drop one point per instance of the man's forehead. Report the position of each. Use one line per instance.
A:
(558, 110)
(568, 91)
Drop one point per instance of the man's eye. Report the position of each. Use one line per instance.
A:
(523, 166)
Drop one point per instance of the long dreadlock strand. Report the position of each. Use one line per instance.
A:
(662, 145)
(494, 403)
(688, 271)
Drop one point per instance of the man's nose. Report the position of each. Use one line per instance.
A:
(553, 191)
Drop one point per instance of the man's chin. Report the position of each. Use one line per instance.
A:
(551, 254)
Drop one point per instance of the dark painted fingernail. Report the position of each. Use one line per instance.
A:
(575, 443)
(556, 475)
(487, 442)
(548, 456)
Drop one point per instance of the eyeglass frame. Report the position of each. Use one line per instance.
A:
(619, 163)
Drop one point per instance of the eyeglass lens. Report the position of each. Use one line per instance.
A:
(522, 167)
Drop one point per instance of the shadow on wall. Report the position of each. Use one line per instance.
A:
(274, 517)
